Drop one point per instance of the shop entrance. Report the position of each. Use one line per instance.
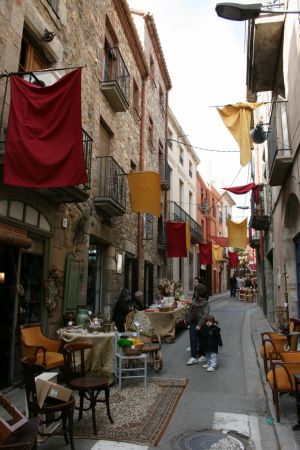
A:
(20, 303)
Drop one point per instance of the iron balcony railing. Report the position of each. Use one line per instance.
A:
(112, 182)
(260, 219)
(116, 70)
(278, 138)
(178, 214)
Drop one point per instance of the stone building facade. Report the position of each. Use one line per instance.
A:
(85, 235)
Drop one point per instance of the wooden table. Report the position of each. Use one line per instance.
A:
(100, 359)
(164, 323)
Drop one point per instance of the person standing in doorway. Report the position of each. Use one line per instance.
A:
(121, 309)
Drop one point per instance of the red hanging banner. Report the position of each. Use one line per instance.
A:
(176, 239)
(205, 253)
(233, 259)
(44, 147)
(240, 189)
(222, 241)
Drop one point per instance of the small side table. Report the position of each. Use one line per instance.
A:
(297, 385)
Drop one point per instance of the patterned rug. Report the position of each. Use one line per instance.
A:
(140, 415)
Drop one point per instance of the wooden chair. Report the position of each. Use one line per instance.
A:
(53, 409)
(281, 376)
(272, 344)
(242, 294)
(45, 350)
(89, 387)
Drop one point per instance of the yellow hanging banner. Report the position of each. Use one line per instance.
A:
(145, 192)
(237, 234)
(217, 252)
(237, 119)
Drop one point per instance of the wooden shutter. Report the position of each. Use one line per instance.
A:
(71, 286)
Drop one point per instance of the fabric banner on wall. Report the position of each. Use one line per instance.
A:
(44, 146)
(237, 119)
(222, 241)
(233, 259)
(176, 239)
(205, 253)
(217, 252)
(240, 189)
(237, 234)
(145, 193)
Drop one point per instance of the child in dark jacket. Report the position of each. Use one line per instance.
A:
(211, 335)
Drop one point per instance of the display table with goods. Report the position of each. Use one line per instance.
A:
(100, 359)
(165, 319)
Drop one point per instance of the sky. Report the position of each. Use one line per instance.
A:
(206, 59)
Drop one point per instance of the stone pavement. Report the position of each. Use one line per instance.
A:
(259, 425)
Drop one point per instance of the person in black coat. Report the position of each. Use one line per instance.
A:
(233, 285)
(121, 309)
(211, 335)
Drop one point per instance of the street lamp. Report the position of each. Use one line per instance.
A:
(239, 11)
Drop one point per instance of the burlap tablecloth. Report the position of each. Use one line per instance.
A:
(99, 359)
(164, 323)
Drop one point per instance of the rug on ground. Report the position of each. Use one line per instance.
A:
(140, 415)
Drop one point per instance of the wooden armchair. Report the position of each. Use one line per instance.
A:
(45, 350)
(281, 376)
(272, 344)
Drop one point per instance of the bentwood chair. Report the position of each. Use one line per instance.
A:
(45, 350)
(53, 409)
(281, 377)
(89, 387)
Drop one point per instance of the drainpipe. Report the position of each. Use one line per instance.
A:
(142, 166)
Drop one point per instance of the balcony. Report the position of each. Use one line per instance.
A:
(110, 198)
(259, 219)
(116, 80)
(165, 174)
(254, 238)
(177, 214)
(68, 194)
(161, 235)
(280, 156)
(264, 44)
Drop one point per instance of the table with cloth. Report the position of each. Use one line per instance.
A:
(99, 360)
(164, 323)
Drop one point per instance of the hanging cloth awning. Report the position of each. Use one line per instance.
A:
(17, 237)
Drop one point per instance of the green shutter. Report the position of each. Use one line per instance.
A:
(71, 287)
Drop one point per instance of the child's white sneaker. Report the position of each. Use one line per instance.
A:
(192, 361)
(205, 366)
(202, 359)
(210, 369)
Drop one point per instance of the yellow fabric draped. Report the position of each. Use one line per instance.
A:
(237, 234)
(237, 119)
(217, 252)
(145, 193)
(188, 235)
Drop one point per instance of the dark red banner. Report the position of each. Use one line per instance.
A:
(44, 146)
(233, 259)
(176, 239)
(240, 189)
(205, 253)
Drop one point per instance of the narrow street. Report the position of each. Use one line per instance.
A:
(231, 398)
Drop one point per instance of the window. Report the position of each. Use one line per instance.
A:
(170, 142)
(161, 100)
(190, 204)
(30, 57)
(220, 218)
(181, 155)
(152, 72)
(213, 208)
(150, 133)
(181, 192)
(105, 139)
(136, 101)
(190, 169)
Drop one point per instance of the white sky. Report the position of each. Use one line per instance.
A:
(206, 60)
